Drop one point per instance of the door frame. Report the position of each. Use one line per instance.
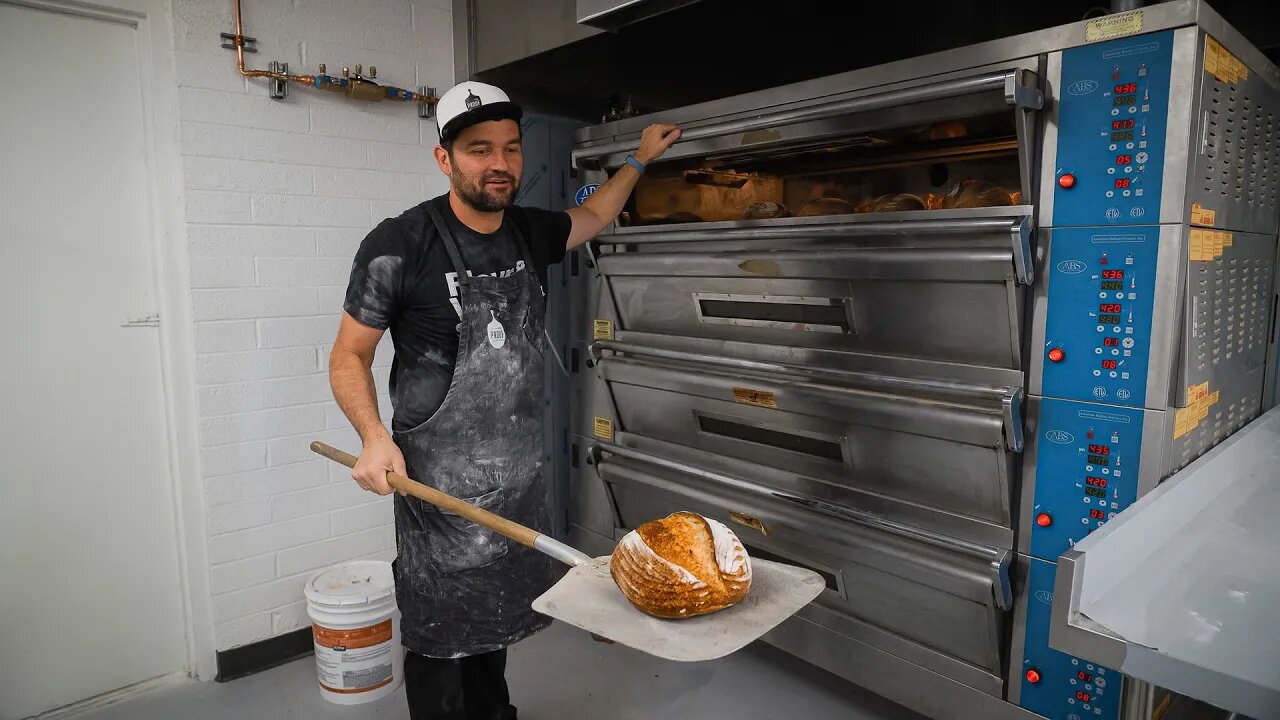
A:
(153, 21)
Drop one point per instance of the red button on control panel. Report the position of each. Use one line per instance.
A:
(1057, 355)
(1067, 181)
(1044, 519)
(1033, 676)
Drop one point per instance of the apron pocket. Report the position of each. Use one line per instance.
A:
(457, 544)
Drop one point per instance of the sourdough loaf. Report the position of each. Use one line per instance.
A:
(900, 202)
(681, 566)
(825, 206)
(976, 194)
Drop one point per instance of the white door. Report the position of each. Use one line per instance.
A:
(90, 598)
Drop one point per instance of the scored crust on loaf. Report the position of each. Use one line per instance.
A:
(681, 565)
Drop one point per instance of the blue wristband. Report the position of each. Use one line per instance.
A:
(633, 162)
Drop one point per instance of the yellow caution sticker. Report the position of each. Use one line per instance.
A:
(1220, 63)
(1199, 400)
(1202, 216)
(602, 330)
(603, 428)
(1207, 245)
(1114, 26)
(759, 398)
(1181, 423)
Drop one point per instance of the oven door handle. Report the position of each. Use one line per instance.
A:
(999, 558)
(1013, 84)
(860, 380)
(1019, 227)
(1009, 398)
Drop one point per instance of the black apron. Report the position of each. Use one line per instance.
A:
(464, 590)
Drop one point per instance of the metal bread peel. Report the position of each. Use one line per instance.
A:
(587, 597)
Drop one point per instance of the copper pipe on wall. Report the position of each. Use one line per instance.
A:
(239, 41)
(239, 37)
(390, 92)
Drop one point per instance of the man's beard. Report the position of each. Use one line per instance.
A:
(474, 191)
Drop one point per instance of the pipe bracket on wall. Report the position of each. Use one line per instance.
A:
(231, 41)
(426, 109)
(279, 89)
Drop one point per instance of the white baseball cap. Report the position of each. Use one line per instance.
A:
(469, 103)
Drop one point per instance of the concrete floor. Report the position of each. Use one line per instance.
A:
(558, 674)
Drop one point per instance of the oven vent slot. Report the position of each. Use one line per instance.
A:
(810, 314)
(815, 447)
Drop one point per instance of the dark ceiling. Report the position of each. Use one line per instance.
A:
(718, 48)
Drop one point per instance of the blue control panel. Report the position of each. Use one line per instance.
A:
(1054, 684)
(1101, 293)
(1087, 460)
(1112, 115)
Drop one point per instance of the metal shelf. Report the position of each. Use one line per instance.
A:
(1182, 590)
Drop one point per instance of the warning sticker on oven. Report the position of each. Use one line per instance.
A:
(602, 330)
(603, 428)
(1208, 245)
(1203, 216)
(1114, 26)
(1199, 400)
(1220, 63)
(759, 398)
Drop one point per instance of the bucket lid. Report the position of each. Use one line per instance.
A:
(354, 583)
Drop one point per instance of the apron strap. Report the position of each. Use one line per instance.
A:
(522, 245)
(450, 245)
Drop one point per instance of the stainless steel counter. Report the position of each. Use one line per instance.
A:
(1183, 588)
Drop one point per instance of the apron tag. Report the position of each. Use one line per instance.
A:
(497, 336)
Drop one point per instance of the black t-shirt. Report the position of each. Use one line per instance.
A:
(402, 279)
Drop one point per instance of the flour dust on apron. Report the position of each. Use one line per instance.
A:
(464, 590)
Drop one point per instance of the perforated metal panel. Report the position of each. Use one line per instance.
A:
(1230, 309)
(1240, 147)
(1237, 171)
(1238, 403)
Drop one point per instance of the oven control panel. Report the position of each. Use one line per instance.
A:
(1087, 458)
(1113, 111)
(1054, 684)
(1101, 293)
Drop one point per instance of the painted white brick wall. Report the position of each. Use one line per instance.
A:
(278, 195)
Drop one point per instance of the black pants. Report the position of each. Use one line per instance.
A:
(469, 688)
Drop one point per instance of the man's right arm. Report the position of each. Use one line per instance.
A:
(351, 378)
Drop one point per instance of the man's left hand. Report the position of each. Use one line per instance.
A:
(606, 202)
(655, 140)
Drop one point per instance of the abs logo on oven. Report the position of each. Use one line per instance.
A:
(1082, 87)
(585, 192)
(1061, 437)
(1072, 267)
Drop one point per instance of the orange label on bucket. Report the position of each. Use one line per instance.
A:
(356, 691)
(352, 639)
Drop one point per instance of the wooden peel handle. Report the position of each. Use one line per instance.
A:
(515, 531)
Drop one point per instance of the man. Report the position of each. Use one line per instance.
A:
(459, 282)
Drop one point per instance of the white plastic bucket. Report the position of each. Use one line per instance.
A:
(356, 628)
